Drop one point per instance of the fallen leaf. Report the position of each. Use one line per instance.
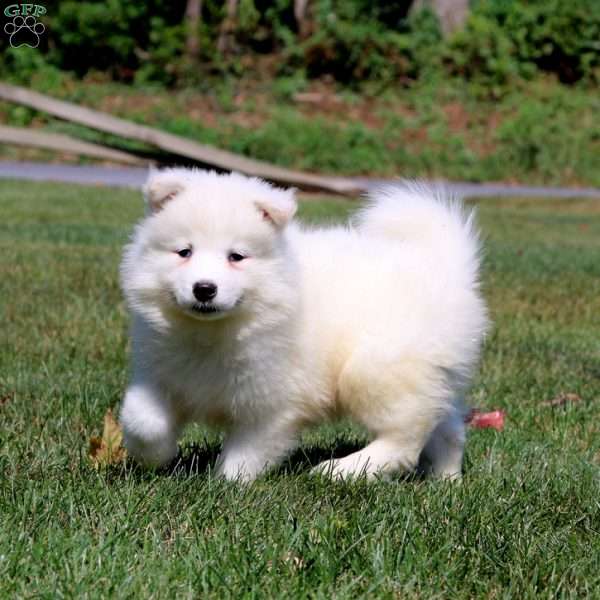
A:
(484, 420)
(108, 449)
(562, 399)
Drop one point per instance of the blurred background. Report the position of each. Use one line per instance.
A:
(487, 90)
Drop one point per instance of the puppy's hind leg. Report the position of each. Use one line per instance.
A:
(400, 400)
(443, 454)
(388, 453)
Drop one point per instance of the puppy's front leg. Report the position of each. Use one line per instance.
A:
(150, 430)
(250, 450)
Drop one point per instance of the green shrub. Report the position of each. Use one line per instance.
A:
(353, 43)
(484, 53)
(116, 37)
(556, 36)
(541, 137)
(349, 41)
(505, 39)
(313, 144)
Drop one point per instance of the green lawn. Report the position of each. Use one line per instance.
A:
(524, 523)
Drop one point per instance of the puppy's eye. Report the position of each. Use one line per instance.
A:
(184, 252)
(235, 257)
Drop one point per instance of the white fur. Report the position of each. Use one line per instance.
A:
(381, 321)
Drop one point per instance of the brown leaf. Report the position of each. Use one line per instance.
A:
(562, 399)
(108, 449)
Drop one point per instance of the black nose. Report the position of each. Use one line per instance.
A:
(204, 291)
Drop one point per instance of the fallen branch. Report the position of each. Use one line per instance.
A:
(64, 143)
(177, 145)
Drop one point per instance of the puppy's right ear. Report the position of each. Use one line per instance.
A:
(161, 187)
(277, 205)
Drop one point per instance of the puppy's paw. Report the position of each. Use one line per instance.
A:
(341, 469)
(151, 454)
(379, 459)
(149, 432)
(240, 471)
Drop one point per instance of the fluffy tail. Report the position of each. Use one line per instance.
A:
(428, 216)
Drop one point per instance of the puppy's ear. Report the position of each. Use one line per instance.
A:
(161, 187)
(278, 206)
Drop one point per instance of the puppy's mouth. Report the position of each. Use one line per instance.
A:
(210, 311)
(207, 312)
(206, 309)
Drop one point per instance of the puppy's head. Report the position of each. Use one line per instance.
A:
(211, 247)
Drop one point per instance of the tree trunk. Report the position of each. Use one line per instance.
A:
(225, 43)
(302, 22)
(452, 14)
(193, 13)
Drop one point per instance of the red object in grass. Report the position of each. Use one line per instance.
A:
(484, 420)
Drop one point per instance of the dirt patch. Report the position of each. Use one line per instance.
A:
(122, 104)
(322, 100)
(457, 117)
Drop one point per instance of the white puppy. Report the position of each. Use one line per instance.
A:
(248, 321)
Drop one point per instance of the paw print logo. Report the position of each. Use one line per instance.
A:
(24, 31)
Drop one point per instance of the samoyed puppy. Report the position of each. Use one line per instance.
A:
(251, 322)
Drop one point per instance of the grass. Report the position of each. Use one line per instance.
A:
(524, 523)
(540, 132)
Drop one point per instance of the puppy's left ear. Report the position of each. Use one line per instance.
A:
(278, 206)
(162, 186)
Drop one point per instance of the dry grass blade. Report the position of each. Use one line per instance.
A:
(562, 399)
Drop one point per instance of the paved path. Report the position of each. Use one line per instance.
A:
(133, 177)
